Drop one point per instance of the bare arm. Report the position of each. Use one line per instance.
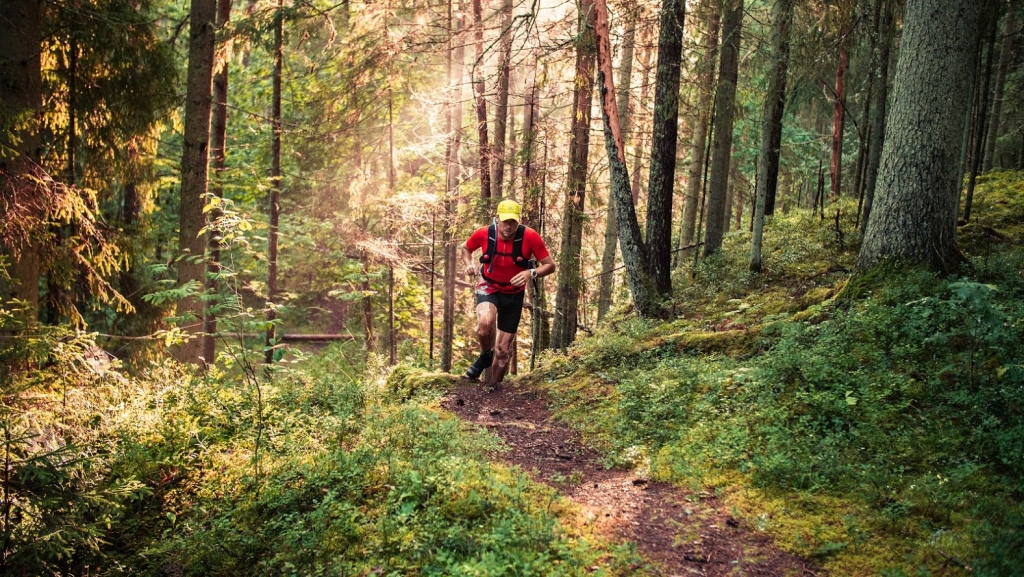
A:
(467, 260)
(547, 266)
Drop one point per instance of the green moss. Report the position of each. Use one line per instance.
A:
(405, 381)
(732, 343)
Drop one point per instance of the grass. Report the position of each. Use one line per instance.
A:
(875, 426)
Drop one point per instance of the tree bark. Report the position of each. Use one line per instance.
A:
(501, 106)
(705, 80)
(978, 143)
(641, 141)
(456, 57)
(663, 145)
(771, 127)
(194, 163)
(1005, 59)
(481, 100)
(275, 183)
(722, 141)
(878, 114)
(21, 93)
(531, 188)
(217, 157)
(915, 218)
(641, 285)
(838, 122)
(611, 228)
(569, 276)
(370, 337)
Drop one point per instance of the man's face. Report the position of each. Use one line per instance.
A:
(507, 228)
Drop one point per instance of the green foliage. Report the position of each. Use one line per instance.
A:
(872, 430)
(326, 468)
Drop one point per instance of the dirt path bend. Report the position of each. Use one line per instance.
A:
(683, 533)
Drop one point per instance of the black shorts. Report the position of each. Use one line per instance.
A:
(510, 308)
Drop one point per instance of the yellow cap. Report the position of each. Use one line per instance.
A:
(508, 210)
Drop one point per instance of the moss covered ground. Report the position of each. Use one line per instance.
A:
(874, 423)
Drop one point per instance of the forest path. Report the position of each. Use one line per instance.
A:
(681, 532)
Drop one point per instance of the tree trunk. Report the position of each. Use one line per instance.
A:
(531, 188)
(501, 107)
(663, 145)
(569, 276)
(878, 115)
(722, 143)
(838, 122)
(370, 338)
(978, 143)
(641, 142)
(545, 321)
(863, 129)
(641, 285)
(1005, 59)
(915, 220)
(705, 81)
(21, 93)
(456, 56)
(771, 127)
(611, 228)
(481, 100)
(194, 161)
(275, 183)
(217, 156)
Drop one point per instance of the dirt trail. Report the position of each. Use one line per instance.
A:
(683, 533)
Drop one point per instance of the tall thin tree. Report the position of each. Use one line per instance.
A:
(663, 145)
(219, 130)
(274, 205)
(21, 97)
(880, 95)
(771, 126)
(1006, 58)
(611, 229)
(569, 270)
(480, 87)
(838, 123)
(706, 89)
(981, 114)
(725, 99)
(456, 56)
(194, 165)
(641, 285)
(498, 154)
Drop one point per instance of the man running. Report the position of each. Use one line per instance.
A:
(505, 268)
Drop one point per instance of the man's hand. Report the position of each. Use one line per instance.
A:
(471, 271)
(521, 279)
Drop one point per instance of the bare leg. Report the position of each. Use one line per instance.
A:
(486, 317)
(502, 354)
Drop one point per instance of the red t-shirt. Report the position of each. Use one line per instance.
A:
(504, 269)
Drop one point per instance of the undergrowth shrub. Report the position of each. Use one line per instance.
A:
(318, 467)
